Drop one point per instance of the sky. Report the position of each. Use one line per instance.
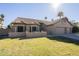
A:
(37, 11)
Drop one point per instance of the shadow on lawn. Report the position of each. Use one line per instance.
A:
(13, 38)
(64, 39)
(19, 38)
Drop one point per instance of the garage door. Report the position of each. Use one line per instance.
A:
(60, 30)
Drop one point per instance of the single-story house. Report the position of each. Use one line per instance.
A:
(27, 27)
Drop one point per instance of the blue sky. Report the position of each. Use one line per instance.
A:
(37, 11)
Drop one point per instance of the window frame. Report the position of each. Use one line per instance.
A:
(20, 27)
(34, 29)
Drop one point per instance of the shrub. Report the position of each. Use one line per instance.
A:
(75, 29)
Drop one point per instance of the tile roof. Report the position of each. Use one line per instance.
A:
(30, 21)
(37, 21)
(59, 19)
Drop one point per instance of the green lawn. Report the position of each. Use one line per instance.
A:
(37, 47)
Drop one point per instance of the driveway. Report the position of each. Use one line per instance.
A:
(71, 36)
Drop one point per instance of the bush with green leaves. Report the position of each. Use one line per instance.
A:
(75, 29)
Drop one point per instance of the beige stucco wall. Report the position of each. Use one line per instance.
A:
(53, 28)
(36, 34)
(27, 34)
(17, 34)
(50, 30)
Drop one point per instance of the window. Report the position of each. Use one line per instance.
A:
(33, 29)
(20, 29)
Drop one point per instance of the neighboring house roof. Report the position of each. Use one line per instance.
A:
(58, 20)
(20, 20)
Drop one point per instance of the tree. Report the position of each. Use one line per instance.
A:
(75, 29)
(60, 14)
(2, 15)
(1, 20)
(45, 17)
(9, 27)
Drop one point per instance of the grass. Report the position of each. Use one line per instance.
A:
(37, 47)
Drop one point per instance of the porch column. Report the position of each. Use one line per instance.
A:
(15, 29)
(28, 28)
(31, 28)
(24, 28)
(37, 28)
